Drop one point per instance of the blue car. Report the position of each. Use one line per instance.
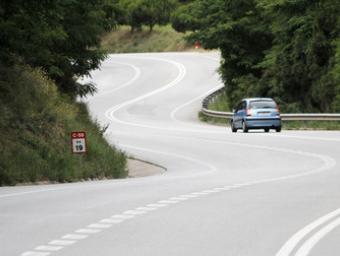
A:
(256, 113)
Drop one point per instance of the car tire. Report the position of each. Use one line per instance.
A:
(278, 129)
(233, 129)
(244, 127)
(266, 130)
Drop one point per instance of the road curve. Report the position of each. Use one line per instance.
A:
(224, 194)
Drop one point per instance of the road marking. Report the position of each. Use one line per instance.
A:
(146, 208)
(134, 212)
(306, 248)
(122, 216)
(48, 248)
(210, 191)
(98, 225)
(200, 193)
(62, 242)
(189, 196)
(88, 231)
(113, 221)
(156, 205)
(179, 198)
(74, 236)
(29, 192)
(137, 73)
(181, 74)
(168, 202)
(219, 189)
(30, 253)
(292, 243)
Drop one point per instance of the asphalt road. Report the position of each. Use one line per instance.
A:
(223, 194)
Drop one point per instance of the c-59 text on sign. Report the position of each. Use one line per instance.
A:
(78, 142)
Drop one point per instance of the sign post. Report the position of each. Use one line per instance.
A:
(78, 142)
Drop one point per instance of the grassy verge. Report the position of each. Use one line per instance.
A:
(220, 103)
(161, 39)
(35, 126)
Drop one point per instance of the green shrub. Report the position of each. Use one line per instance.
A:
(35, 127)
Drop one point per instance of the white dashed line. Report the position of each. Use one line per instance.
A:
(218, 189)
(156, 205)
(62, 242)
(146, 208)
(135, 212)
(122, 216)
(74, 236)
(210, 191)
(113, 221)
(168, 202)
(88, 231)
(189, 196)
(48, 248)
(178, 198)
(35, 254)
(200, 193)
(96, 225)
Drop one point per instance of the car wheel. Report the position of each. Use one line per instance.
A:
(244, 127)
(278, 129)
(233, 129)
(266, 130)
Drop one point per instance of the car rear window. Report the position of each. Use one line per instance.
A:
(262, 104)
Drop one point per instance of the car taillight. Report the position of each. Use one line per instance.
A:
(278, 110)
(249, 112)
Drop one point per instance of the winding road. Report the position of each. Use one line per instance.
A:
(223, 194)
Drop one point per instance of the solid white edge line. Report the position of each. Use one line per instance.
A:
(291, 244)
(136, 76)
(306, 248)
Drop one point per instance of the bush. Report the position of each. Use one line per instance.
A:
(35, 126)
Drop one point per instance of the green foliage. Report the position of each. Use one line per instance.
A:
(288, 50)
(35, 126)
(185, 17)
(300, 67)
(147, 12)
(220, 102)
(61, 37)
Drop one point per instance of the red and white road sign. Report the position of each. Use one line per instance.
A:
(78, 142)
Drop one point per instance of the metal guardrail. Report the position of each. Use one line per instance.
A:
(284, 117)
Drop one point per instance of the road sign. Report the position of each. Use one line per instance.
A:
(78, 142)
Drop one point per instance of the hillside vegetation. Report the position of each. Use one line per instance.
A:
(160, 39)
(35, 126)
(45, 46)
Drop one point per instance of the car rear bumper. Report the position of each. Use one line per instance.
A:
(258, 123)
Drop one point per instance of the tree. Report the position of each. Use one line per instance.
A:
(301, 66)
(185, 18)
(242, 33)
(62, 37)
(147, 12)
